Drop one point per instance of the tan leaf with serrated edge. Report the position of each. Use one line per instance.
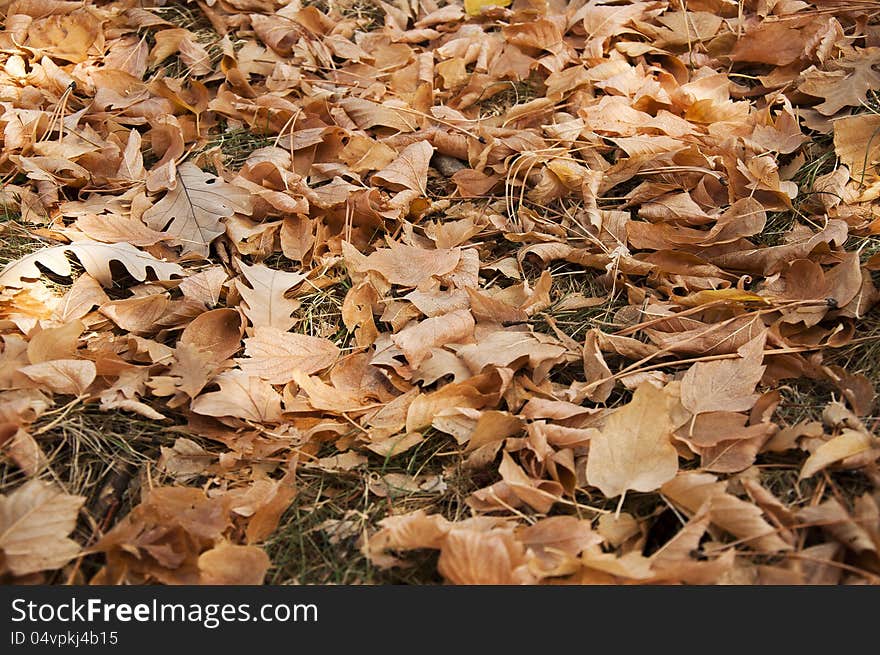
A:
(65, 376)
(633, 450)
(273, 355)
(191, 212)
(35, 521)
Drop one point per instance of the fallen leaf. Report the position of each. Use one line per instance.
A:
(191, 212)
(847, 444)
(65, 376)
(634, 450)
(273, 355)
(724, 385)
(36, 520)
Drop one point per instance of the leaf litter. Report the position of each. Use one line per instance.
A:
(493, 292)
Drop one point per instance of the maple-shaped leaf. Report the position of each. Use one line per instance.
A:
(634, 449)
(240, 396)
(847, 83)
(191, 212)
(725, 385)
(274, 355)
(266, 304)
(95, 258)
(35, 523)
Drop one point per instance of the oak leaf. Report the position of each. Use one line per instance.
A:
(266, 304)
(191, 212)
(95, 258)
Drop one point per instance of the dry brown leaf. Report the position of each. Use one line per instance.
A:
(95, 258)
(847, 444)
(191, 212)
(416, 341)
(469, 557)
(228, 564)
(725, 385)
(65, 376)
(240, 396)
(274, 355)
(634, 448)
(266, 304)
(404, 265)
(409, 170)
(36, 520)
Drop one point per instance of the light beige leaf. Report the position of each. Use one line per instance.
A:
(205, 286)
(848, 443)
(241, 396)
(469, 557)
(401, 264)
(409, 170)
(35, 521)
(725, 385)
(113, 228)
(191, 212)
(633, 450)
(265, 302)
(273, 355)
(65, 376)
(84, 295)
(417, 340)
(95, 258)
(229, 564)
